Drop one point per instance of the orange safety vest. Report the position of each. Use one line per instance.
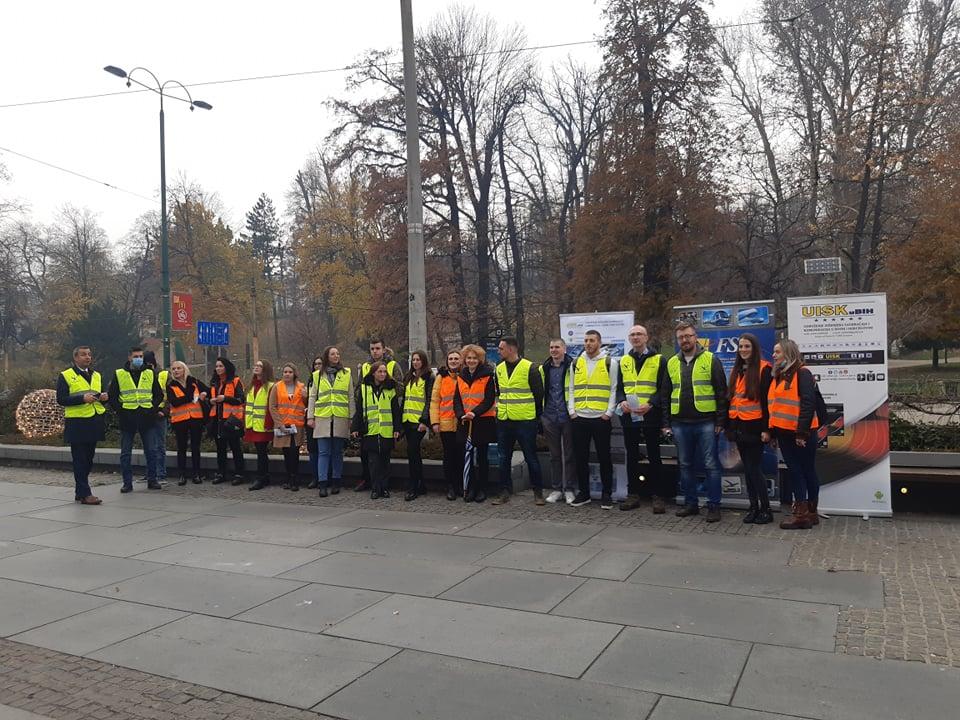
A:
(472, 395)
(742, 407)
(783, 403)
(291, 408)
(228, 390)
(187, 411)
(448, 386)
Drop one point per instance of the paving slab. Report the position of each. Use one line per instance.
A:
(165, 502)
(791, 583)
(402, 520)
(14, 527)
(105, 515)
(312, 608)
(414, 545)
(271, 532)
(671, 663)
(16, 506)
(69, 570)
(735, 617)
(415, 686)
(12, 713)
(706, 547)
(279, 511)
(673, 708)
(9, 548)
(828, 686)
(517, 589)
(376, 572)
(612, 565)
(538, 557)
(160, 523)
(119, 542)
(209, 592)
(491, 527)
(232, 556)
(272, 664)
(552, 532)
(33, 490)
(27, 606)
(98, 628)
(475, 632)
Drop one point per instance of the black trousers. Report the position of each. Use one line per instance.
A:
(263, 459)
(452, 459)
(236, 447)
(751, 455)
(648, 434)
(188, 431)
(378, 457)
(414, 439)
(291, 459)
(82, 456)
(597, 431)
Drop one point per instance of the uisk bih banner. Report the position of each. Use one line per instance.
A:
(843, 340)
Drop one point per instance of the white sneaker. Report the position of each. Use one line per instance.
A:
(569, 495)
(555, 496)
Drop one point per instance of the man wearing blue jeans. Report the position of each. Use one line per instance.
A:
(696, 384)
(135, 396)
(519, 404)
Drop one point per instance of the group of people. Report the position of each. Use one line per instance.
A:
(470, 405)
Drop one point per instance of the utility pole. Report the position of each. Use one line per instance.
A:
(416, 273)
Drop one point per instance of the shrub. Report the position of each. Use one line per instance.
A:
(923, 436)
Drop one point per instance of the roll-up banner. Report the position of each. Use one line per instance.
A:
(719, 327)
(843, 340)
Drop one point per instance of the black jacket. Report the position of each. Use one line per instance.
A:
(807, 390)
(141, 418)
(428, 394)
(748, 431)
(193, 386)
(359, 424)
(79, 430)
(657, 399)
(489, 394)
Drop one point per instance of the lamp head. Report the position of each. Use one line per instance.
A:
(202, 105)
(119, 72)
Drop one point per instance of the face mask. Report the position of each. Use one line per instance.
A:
(137, 362)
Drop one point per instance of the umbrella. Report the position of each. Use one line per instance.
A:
(468, 456)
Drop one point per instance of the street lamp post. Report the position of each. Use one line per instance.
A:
(160, 89)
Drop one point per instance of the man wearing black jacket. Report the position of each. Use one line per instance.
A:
(79, 392)
(557, 426)
(135, 397)
(639, 399)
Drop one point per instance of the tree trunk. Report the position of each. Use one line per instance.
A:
(514, 247)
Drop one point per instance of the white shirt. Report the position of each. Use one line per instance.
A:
(591, 364)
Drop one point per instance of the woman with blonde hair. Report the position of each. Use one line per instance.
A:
(475, 406)
(288, 408)
(443, 422)
(185, 397)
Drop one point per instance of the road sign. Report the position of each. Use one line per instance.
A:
(822, 266)
(182, 311)
(213, 333)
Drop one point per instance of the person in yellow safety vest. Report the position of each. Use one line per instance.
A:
(257, 420)
(377, 422)
(696, 384)
(135, 397)
(639, 399)
(378, 353)
(591, 402)
(330, 405)
(160, 449)
(418, 390)
(80, 393)
(519, 406)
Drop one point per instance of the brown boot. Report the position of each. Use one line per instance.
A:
(812, 515)
(798, 520)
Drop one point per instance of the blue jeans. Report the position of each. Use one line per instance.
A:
(160, 447)
(523, 432)
(330, 453)
(148, 440)
(801, 462)
(697, 445)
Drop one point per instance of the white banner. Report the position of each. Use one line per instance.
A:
(843, 340)
(612, 326)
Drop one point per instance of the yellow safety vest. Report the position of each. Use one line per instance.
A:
(255, 417)
(591, 392)
(77, 385)
(365, 368)
(378, 412)
(162, 377)
(415, 400)
(135, 396)
(643, 384)
(515, 401)
(332, 400)
(704, 399)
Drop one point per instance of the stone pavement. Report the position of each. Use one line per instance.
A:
(210, 602)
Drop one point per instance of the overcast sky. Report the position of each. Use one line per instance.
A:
(258, 134)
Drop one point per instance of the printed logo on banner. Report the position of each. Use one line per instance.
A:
(719, 317)
(834, 310)
(690, 316)
(752, 316)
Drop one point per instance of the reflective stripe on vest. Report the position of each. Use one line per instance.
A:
(472, 395)
(742, 407)
(256, 415)
(162, 377)
(378, 412)
(332, 400)
(448, 388)
(704, 399)
(515, 400)
(591, 392)
(77, 385)
(783, 404)
(133, 396)
(643, 384)
(291, 408)
(187, 411)
(415, 400)
(228, 390)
